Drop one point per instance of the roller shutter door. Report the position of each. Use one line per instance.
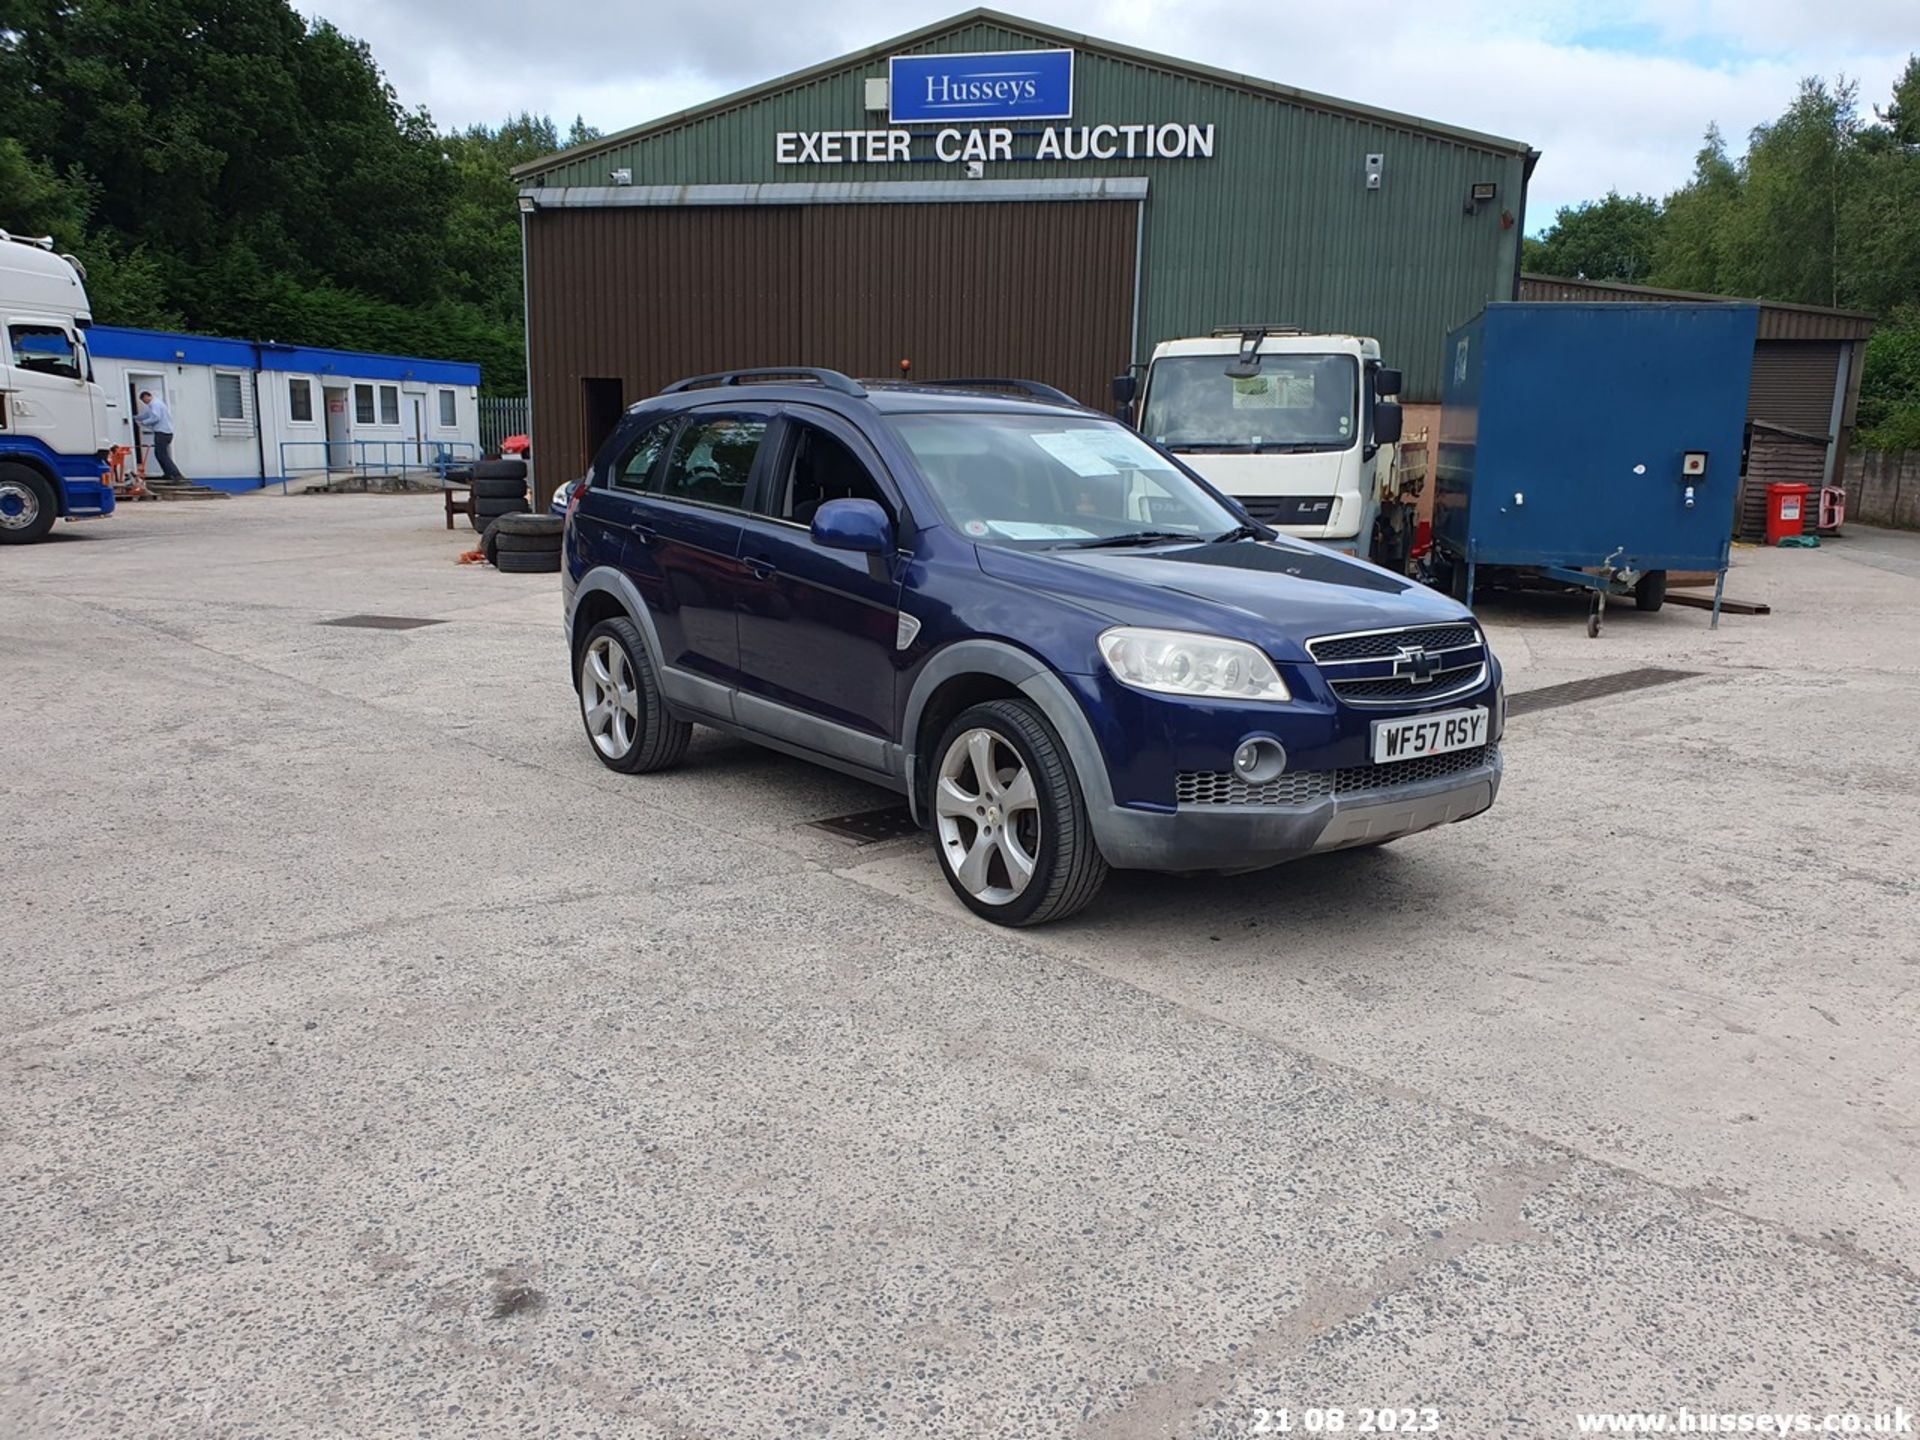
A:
(1793, 384)
(1038, 289)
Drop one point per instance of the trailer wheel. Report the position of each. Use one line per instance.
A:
(1651, 593)
(27, 506)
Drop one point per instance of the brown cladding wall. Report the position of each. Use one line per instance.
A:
(1039, 289)
(1778, 457)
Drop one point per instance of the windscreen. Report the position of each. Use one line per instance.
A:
(1294, 402)
(1032, 481)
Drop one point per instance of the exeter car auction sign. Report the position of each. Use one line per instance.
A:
(1012, 85)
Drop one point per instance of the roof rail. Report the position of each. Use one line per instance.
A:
(1220, 332)
(1032, 388)
(829, 379)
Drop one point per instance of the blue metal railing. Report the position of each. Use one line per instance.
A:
(368, 459)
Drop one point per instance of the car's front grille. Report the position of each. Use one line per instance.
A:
(1394, 690)
(1303, 787)
(1417, 665)
(1379, 644)
(1410, 772)
(1225, 787)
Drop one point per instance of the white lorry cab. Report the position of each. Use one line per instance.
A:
(1298, 428)
(53, 417)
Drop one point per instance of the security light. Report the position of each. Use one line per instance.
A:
(528, 204)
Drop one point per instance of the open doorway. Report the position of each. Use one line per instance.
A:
(339, 429)
(601, 403)
(140, 382)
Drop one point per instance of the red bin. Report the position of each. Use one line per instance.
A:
(1786, 511)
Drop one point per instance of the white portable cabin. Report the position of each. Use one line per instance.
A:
(247, 413)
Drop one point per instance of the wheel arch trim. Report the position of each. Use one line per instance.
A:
(1033, 678)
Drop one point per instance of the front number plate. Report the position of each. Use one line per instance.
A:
(1429, 734)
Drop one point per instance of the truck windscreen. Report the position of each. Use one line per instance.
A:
(1294, 402)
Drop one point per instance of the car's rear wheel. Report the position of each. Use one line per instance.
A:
(620, 703)
(27, 506)
(1010, 824)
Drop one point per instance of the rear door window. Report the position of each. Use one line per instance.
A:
(713, 460)
(639, 467)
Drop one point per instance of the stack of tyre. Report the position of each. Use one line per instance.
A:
(499, 488)
(524, 544)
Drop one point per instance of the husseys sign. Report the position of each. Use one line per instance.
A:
(1006, 86)
(1010, 85)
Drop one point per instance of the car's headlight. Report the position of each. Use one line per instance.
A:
(1174, 662)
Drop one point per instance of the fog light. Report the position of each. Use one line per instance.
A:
(1259, 760)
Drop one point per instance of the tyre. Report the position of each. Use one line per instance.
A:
(485, 512)
(512, 541)
(522, 562)
(627, 720)
(460, 475)
(487, 488)
(27, 506)
(490, 542)
(550, 527)
(1651, 592)
(500, 470)
(1010, 825)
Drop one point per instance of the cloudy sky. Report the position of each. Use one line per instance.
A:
(1616, 93)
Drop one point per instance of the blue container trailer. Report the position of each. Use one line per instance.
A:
(1598, 446)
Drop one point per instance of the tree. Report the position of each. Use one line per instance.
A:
(225, 165)
(1687, 250)
(1610, 239)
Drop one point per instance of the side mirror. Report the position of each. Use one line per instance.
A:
(1386, 423)
(1125, 387)
(859, 525)
(1386, 381)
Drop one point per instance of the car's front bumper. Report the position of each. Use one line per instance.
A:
(1252, 837)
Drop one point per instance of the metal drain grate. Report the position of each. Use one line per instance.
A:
(381, 622)
(870, 827)
(1596, 687)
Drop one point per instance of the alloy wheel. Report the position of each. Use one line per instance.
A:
(988, 816)
(609, 698)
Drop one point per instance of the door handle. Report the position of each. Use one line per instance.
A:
(641, 534)
(762, 568)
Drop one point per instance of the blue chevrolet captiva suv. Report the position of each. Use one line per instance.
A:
(1064, 648)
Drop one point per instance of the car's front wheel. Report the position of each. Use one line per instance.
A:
(1010, 824)
(626, 717)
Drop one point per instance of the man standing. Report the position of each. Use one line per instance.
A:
(157, 420)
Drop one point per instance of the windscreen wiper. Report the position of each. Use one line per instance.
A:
(1243, 532)
(1131, 537)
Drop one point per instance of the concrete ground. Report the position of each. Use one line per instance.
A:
(376, 1063)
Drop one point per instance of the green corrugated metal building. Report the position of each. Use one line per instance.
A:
(809, 220)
